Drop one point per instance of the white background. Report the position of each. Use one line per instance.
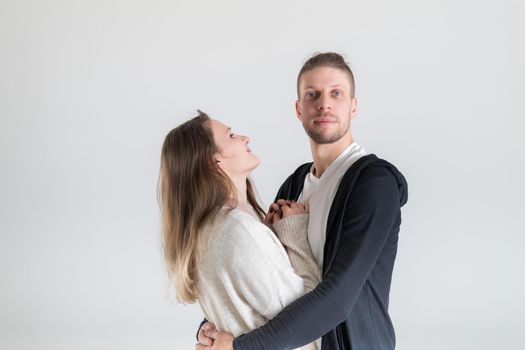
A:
(89, 89)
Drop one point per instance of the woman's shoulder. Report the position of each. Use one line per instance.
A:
(236, 230)
(236, 221)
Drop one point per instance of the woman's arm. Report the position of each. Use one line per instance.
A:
(292, 231)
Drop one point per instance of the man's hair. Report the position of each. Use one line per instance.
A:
(327, 59)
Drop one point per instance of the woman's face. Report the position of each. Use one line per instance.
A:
(234, 156)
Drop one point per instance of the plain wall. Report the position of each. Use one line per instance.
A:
(89, 89)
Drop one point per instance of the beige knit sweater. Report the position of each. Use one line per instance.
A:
(245, 276)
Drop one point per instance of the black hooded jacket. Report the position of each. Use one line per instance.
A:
(349, 307)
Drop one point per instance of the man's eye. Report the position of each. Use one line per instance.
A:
(232, 134)
(338, 92)
(311, 94)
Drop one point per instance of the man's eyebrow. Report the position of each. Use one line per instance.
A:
(313, 87)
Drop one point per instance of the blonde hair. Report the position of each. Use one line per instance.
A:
(192, 189)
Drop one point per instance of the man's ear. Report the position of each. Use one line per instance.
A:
(353, 108)
(298, 110)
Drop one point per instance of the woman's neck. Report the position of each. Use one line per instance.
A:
(241, 197)
(240, 188)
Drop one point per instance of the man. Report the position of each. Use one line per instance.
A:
(355, 200)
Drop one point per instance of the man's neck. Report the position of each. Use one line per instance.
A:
(325, 154)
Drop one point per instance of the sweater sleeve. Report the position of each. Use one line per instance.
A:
(368, 219)
(293, 234)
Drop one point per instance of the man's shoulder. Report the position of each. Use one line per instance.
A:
(293, 185)
(372, 169)
(371, 165)
(302, 170)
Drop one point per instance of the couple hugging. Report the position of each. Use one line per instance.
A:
(312, 273)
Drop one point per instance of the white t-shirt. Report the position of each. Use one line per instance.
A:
(319, 193)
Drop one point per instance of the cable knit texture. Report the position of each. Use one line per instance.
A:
(291, 231)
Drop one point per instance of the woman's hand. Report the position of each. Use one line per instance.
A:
(289, 208)
(282, 209)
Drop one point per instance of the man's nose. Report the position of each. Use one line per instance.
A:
(324, 103)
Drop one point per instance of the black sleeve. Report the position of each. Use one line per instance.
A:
(368, 219)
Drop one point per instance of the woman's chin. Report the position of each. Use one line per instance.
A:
(254, 165)
(258, 162)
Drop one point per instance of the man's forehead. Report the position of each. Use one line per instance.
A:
(323, 77)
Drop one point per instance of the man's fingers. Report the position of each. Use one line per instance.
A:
(204, 339)
(208, 326)
(211, 333)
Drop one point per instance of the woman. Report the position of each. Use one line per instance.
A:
(217, 248)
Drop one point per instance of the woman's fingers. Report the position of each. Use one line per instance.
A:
(273, 208)
(276, 217)
(268, 218)
(281, 202)
(286, 208)
(287, 211)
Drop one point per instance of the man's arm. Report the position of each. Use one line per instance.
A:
(368, 220)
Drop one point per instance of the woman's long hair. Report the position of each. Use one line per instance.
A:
(192, 189)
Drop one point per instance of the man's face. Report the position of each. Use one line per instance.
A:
(325, 105)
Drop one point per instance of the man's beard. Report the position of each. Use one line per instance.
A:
(321, 139)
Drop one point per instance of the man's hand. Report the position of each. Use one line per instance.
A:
(221, 341)
(207, 334)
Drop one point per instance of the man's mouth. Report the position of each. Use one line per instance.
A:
(324, 121)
